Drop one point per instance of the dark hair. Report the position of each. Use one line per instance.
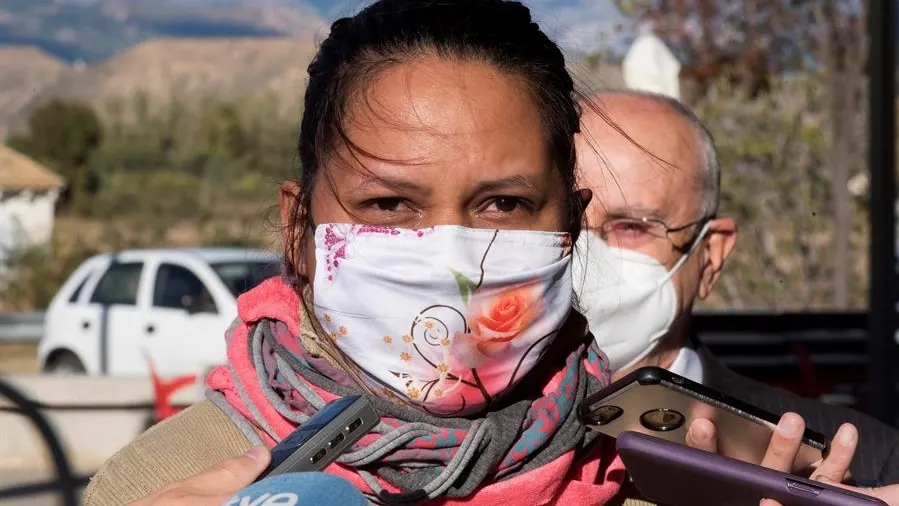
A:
(498, 32)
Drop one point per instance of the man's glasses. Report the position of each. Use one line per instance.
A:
(637, 233)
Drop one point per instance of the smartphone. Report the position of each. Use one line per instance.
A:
(318, 442)
(677, 475)
(657, 402)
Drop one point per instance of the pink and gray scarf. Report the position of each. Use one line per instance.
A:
(529, 450)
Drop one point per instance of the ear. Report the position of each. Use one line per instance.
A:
(584, 196)
(582, 199)
(293, 223)
(719, 246)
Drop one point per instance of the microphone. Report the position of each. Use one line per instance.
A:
(300, 489)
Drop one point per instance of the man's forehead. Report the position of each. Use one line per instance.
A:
(640, 158)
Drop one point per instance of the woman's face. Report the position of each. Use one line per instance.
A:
(440, 142)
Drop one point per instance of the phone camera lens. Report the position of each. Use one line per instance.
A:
(603, 415)
(662, 420)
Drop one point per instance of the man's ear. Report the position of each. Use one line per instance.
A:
(720, 244)
(293, 223)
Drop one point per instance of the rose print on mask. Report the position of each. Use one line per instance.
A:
(455, 346)
(496, 319)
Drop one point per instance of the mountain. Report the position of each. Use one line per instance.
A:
(95, 30)
(24, 73)
(100, 50)
(190, 69)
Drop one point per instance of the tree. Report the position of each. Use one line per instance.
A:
(65, 135)
(747, 41)
(776, 182)
(752, 43)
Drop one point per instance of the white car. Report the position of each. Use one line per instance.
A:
(171, 305)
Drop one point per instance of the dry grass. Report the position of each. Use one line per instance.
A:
(18, 358)
(109, 235)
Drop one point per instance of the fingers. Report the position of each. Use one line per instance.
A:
(842, 449)
(769, 502)
(784, 443)
(889, 494)
(702, 435)
(231, 475)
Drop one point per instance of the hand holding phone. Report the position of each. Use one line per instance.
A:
(319, 441)
(677, 475)
(657, 402)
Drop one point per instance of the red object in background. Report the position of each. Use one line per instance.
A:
(164, 389)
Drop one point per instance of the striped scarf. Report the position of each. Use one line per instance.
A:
(276, 378)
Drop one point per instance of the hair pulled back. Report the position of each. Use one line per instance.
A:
(390, 32)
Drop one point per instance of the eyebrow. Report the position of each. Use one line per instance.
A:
(506, 183)
(393, 183)
(399, 184)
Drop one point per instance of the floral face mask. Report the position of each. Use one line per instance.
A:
(447, 318)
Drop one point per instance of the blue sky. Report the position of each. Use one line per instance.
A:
(576, 24)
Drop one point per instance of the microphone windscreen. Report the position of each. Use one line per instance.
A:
(300, 489)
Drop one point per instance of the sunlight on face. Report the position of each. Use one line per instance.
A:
(442, 142)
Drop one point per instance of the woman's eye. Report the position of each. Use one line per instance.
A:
(505, 204)
(387, 204)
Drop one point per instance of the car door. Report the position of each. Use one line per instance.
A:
(117, 308)
(70, 323)
(185, 315)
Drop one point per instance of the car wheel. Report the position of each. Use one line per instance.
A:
(66, 364)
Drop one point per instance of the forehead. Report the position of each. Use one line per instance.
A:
(651, 169)
(448, 120)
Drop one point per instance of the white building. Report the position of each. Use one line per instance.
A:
(649, 65)
(28, 194)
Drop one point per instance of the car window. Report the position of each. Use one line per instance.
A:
(240, 277)
(119, 285)
(80, 288)
(178, 287)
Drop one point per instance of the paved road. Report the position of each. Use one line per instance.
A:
(14, 478)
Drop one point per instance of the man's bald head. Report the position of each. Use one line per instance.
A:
(654, 127)
(653, 170)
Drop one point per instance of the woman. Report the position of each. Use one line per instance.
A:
(427, 248)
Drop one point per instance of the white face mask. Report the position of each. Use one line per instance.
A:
(628, 297)
(447, 318)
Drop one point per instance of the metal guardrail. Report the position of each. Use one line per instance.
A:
(21, 327)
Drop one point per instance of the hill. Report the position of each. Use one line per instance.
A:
(25, 72)
(191, 69)
(95, 30)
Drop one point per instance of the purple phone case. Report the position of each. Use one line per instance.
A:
(677, 475)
